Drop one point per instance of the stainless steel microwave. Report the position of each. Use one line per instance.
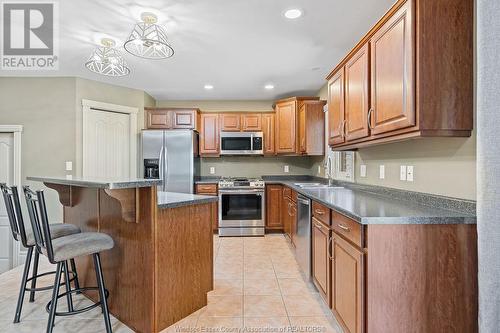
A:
(241, 143)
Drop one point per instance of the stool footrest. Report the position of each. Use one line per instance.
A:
(74, 312)
(74, 276)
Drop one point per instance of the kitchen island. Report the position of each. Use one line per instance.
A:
(161, 267)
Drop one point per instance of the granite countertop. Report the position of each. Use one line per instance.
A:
(105, 183)
(207, 180)
(363, 205)
(174, 199)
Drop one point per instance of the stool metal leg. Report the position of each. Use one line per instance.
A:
(34, 274)
(73, 269)
(55, 293)
(22, 289)
(68, 286)
(102, 292)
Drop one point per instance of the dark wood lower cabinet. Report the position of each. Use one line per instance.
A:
(321, 266)
(210, 189)
(347, 284)
(274, 198)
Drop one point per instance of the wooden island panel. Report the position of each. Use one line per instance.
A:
(160, 268)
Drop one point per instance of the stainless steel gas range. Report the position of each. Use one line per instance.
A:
(241, 207)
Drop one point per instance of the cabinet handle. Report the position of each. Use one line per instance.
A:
(319, 212)
(319, 226)
(330, 254)
(343, 227)
(342, 129)
(370, 118)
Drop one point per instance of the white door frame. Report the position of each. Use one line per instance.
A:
(87, 105)
(16, 130)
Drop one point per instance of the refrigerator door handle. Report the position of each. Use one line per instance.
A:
(165, 152)
(160, 166)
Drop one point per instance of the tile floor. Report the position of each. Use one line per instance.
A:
(257, 287)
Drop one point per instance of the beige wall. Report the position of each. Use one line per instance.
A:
(50, 110)
(443, 166)
(46, 109)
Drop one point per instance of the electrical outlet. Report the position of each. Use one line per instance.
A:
(382, 172)
(362, 170)
(286, 169)
(212, 170)
(409, 173)
(69, 166)
(402, 172)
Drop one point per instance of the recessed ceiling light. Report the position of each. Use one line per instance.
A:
(269, 86)
(208, 86)
(293, 13)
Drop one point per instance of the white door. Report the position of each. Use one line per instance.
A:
(106, 144)
(6, 176)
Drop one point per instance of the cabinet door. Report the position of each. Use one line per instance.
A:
(356, 95)
(230, 122)
(273, 206)
(252, 122)
(285, 215)
(302, 129)
(209, 135)
(336, 108)
(347, 301)
(286, 127)
(268, 132)
(184, 119)
(321, 258)
(392, 96)
(161, 119)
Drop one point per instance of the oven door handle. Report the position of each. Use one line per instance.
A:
(242, 191)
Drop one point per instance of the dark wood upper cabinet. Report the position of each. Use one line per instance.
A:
(209, 134)
(336, 108)
(392, 70)
(286, 127)
(347, 295)
(171, 118)
(251, 122)
(356, 95)
(297, 122)
(230, 122)
(312, 128)
(268, 132)
(274, 197)
(410, 76)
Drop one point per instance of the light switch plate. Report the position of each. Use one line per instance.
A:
(212, 170)
(286, 169)
(409, 173)
(382, 172)
(402, 172)
(69, 166)
(362, 170)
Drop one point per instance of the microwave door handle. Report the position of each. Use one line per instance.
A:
(251, 142)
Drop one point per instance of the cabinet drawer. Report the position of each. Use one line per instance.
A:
(350, 229)
(210, 189)
(321, 213)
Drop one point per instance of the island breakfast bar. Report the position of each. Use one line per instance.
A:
(161, 268)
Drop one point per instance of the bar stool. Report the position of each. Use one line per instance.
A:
(27, 239)
(65, 248)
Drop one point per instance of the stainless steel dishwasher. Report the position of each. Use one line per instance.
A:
(303, 235)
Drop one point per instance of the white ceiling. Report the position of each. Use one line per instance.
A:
(236, 45)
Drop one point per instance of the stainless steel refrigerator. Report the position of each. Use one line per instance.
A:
(171, 155)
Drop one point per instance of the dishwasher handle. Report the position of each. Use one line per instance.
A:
(304, 201)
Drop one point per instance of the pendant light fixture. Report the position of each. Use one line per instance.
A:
(106, 60)
(148, 39)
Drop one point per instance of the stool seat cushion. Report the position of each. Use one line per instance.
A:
(56, 230)
(85, 243)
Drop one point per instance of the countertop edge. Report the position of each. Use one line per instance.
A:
(112, 185)
(187, 202)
